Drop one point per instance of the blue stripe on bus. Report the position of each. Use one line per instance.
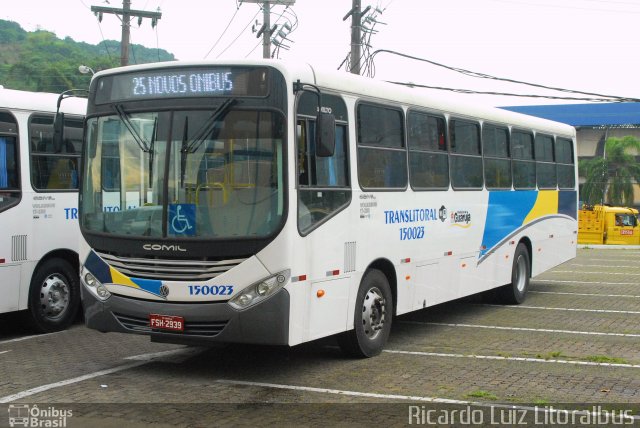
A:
(567, 203)
(98, 268)
(506, 212)
(149, 285)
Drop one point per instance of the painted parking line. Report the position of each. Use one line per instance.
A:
(556, 281)
(344, 392)
(415, 398)
(627, 296)
(604, 266)
(22, 394)
(4, 352)
(546, 308)
(616, 259)
(539, 330)
(172, 355)
(35, 336)
(593, 273)
(139, 360)
(523, 359)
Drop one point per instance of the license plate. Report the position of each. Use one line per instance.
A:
(166, 322)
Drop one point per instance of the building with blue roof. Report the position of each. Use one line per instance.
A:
(594, 123)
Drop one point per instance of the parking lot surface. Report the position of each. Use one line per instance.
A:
(573, 344)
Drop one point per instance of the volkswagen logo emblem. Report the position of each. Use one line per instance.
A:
(164, 291)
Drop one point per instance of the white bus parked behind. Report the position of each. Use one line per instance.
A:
(39, 207)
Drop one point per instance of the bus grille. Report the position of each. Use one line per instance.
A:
(162, 269)
(141, 325)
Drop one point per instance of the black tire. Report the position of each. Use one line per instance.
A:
(54, 296)
(372, 317)
(515, 293)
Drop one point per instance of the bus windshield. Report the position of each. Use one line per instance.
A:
(184, 174)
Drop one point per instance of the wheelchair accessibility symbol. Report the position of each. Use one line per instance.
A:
(182, 219)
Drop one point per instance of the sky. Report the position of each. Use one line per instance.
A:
(585, 45)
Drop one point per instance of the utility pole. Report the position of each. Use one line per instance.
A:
(125, 14)
(266, 34)
(266, 31)
(356, 34)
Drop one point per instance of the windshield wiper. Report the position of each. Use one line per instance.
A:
(152, 151)
(201, 134)
(183, 150)
(124, 117)
(210, 124)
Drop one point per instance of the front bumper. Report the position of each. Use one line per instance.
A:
(265, 323)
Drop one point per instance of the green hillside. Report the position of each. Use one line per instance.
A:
(40, 61)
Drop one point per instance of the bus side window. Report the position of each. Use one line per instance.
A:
(323, 183)
(497, 162)
(382, 156)
(9, 180)
(466, 156)
(54, 168)
(428, 157)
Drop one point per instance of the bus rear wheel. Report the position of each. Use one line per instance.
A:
(372, 317)
(515, 293)
(54, 296)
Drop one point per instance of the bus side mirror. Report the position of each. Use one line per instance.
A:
(325, 135)
(58, 132)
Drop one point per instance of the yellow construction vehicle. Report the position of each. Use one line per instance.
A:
(603, 224)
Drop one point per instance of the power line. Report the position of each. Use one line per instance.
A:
(474, 92)
(224, 31)
(239, 34)
(560, 6)
(602, 97)
(104, 42)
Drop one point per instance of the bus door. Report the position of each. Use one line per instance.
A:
(12, 222)
(324, 191)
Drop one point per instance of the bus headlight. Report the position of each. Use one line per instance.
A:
(260, 291)
(94, 286)
(89, 279)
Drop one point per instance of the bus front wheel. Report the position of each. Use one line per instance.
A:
(514, 293)
(372, 318)
(54, 296)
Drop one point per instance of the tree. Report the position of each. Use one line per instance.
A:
(612, 175)
(40, 61)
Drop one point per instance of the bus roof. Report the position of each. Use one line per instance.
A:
(377, 90)
(40, 101)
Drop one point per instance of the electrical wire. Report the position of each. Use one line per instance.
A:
(104, 41)
(502, 79)
(470, 91)
(224, 31)
(157, 42)
(560, 6)
(240, 34)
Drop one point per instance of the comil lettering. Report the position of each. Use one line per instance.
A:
(159, 247)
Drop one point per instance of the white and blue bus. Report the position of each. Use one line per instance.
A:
(39, 232)
(272, 203)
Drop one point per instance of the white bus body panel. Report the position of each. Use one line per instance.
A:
(42, 221)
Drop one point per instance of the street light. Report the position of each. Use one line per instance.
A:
(86, 70)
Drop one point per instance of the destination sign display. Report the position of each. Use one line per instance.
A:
(184, 83)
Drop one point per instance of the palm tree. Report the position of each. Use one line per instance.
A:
(612, 175)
